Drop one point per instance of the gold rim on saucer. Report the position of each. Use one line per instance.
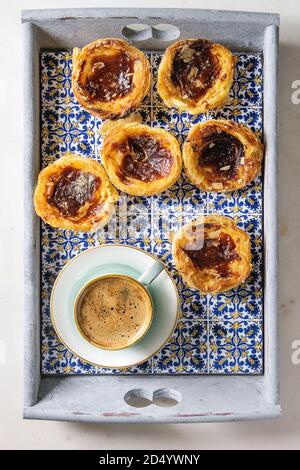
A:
(95, 363)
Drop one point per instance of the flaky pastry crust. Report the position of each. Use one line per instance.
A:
(74, 193)
(211, 80)
(212, 254)
(220, 155)
(95, 69)
(141, 160)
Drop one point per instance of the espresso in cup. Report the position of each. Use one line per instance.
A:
(114, 311)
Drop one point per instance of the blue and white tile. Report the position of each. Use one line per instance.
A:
(182, 196)
(249, 117)
(56, 78)
(59, 244)
(175, 122)
(136, 226)
(243, 201)
(236, 347)
(241, 303)
(186, 351)
(193, 199)
(163, 250)
(146, 114)
(66, 129)
(247, 88)
(193, 303)
(144, 368)
(133, 205)
(57, 358)
(253, 225)
(169, 200)
(165, 223)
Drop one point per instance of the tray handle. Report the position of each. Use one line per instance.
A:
(142, 32)
(162, 397)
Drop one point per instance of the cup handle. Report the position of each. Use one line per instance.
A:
(151, 273)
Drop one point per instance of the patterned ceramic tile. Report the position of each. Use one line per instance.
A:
(248, 80)
(193, 303)
(56, 75)
(66, 129)
(165, 223)
(182, 196)
(250, 117)
(144, 368)
(243, 201)
(186, 352)
(178, 124)
(243, 302)
(235, 347)
(231, 341)
(63, 244)
(136, 226)
(134, 204)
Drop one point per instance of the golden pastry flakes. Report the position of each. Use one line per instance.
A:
(141, 160)
(74, 193)
(212, 254)
(195, 75)
(110, 77)
(221, 155)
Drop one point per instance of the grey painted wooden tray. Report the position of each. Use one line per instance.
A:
(148, 398)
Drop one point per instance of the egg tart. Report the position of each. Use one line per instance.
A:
(212, 254)
(221, 155)
(195, 75)
(141, 160)
(74, 193)
(110, 77)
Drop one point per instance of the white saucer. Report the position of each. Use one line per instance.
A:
(112, 259)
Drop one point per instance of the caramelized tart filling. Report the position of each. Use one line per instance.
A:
(72, 190)
(213, 252)
(145, 159)
(222, 153)
(111, 77)
(194, 69)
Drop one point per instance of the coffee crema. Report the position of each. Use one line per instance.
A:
(114, 312)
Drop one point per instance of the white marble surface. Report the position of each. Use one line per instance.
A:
(17, 433)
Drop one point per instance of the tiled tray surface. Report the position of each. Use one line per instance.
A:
(216, 334)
